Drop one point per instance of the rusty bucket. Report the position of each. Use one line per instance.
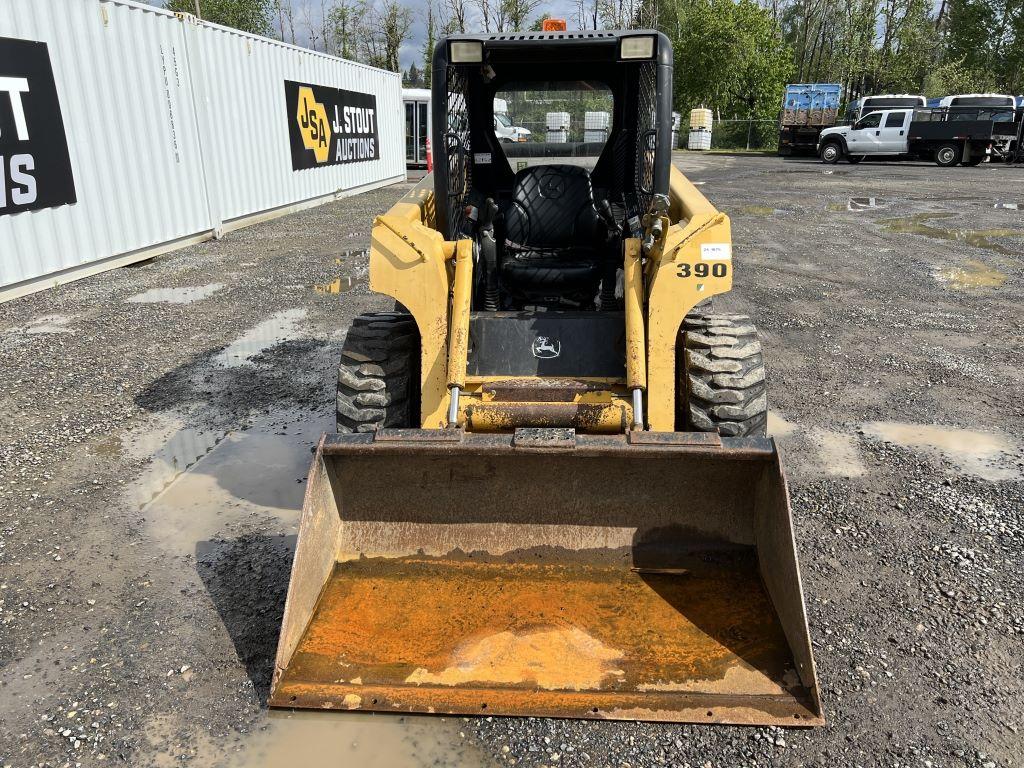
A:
(643, 577)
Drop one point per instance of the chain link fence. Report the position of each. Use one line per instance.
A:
(737, 134)
(755, 135)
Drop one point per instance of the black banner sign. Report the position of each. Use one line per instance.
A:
(329, 126)
(35, 168)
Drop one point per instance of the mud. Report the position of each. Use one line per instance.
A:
(176, 295)
(920, 224)
(281, 327)
(983, 454)
(973, 274)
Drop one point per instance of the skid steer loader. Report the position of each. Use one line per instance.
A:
(550, 491)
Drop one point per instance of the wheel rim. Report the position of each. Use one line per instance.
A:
(946, 155)
(830, 153)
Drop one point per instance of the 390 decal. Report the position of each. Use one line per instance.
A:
(703, 269)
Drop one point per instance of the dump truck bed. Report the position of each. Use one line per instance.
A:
(646, 577)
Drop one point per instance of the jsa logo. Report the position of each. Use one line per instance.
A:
(17, 168)
(313, 125)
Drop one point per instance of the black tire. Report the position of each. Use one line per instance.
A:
(378, 377)
(831, 153)
(947, 155)
(854, 159)
(721, 384)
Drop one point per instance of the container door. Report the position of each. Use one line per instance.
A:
(421, 132)
(410, 133)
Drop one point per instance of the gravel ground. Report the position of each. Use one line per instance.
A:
(139, 605)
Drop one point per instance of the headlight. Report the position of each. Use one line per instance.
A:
(637, 47)
(465, 51)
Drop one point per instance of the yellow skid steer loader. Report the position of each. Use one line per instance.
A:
(550, 491)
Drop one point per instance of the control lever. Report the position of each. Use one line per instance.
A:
(489, 255)
(613, 260)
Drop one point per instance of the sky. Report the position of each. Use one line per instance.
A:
(412, 51)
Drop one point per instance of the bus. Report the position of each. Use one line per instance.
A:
(857, 109)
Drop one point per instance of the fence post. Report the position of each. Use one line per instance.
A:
(750, 128)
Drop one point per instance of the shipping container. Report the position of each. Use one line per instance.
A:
(146, 131)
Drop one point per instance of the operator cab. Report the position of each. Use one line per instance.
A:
(548, 214)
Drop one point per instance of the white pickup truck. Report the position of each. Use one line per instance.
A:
(877, 133)
(948, 135)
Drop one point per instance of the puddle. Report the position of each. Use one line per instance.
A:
(339, 739)
(173, 448)
(982, 454)
(778, 426)
(973, 274)
(340, 285)
(176, 295)
(280, 327)
(756, 210)
(48, 324)
(257, 474)
(837, 453)
(865, 203)
(979, 238)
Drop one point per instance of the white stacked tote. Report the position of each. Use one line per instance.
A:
(595, 126)
(677, 121)
(557, 124)
(700, 129)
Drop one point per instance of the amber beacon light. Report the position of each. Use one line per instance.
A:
(553, 25)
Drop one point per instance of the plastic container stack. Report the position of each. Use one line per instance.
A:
(558, 127)
(700, 129)
(677, 121)
(595, 126)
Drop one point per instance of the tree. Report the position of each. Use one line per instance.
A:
(428, 45)
(514, 15)
(413, 77)
(247, 15)
(344, 25)
(386, 28)
(731, 56)
(538, 23)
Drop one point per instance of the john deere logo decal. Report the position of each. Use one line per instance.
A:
(329, 126)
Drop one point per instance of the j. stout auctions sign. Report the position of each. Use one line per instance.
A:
(329, 126)
(35, 169)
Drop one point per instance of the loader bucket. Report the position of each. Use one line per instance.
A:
(642, 577)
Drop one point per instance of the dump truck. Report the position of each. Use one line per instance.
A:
(550, 491)
(807, 109)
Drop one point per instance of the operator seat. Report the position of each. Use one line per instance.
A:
(555, 239)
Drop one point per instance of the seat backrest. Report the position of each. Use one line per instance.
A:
(553, 207)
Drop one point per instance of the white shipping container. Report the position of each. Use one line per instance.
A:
(557, 121)
(176, 131)
(699, 139)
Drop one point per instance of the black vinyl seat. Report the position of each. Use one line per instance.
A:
(554, 236)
